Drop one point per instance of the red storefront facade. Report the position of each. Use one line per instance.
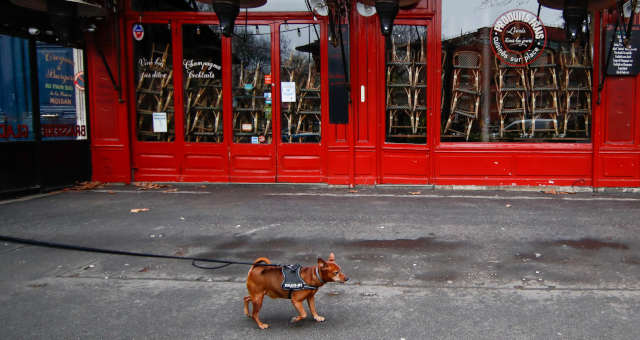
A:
(359, 152)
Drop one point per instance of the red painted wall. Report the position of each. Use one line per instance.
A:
(110, 145)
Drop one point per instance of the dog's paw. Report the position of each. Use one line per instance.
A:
(263, 325)
(296, 319)
(319, 318)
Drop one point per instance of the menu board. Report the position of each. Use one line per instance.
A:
(624, 61)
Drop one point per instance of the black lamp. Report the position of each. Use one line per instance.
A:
(228, 10)
(575, 14)
(387, 11)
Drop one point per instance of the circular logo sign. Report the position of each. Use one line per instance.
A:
(138, 32)
(78, 81)
(518, 37)
(261, 139)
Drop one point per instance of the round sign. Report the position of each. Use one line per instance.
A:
(518, 37)
(138, 32)
(78, 81)
(261, 139)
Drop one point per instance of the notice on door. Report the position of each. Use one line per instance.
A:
(159, 122)
(625, 61)
(288, 90)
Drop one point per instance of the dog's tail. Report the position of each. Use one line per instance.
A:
(261, 260)
(258, 261)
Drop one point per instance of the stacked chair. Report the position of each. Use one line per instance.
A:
(155, 95)
(465, 94)
(543, 86)
(576, 88)
(405, 90)
(511, 96)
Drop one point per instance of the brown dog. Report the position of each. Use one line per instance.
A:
(267, 280)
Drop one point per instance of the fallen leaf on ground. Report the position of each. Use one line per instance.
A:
(150, 186)
(145, 269)
(85, 186)
(554, 192)
(415, 193)
(353, 190)
(137, 210)
(170, 190)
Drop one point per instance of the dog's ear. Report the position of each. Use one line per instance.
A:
(321, 262)
(332, 258)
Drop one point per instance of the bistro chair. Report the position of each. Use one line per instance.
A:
(465, 93)
(576, 87)
(154, 94)
(544, 91)
(511, 96)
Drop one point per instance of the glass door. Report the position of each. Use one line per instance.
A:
(301, 103)
(205, 154)
(253, 154)
(154, 134)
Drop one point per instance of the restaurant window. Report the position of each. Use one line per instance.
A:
(61, 85)
(300, 72)
(251, 80)
(406, 85)
(16, 113)
(509, 75)
(153, 70)
(202, 76)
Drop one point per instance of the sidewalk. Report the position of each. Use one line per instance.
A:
(423, 263)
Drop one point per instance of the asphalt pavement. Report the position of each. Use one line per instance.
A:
(424, 263)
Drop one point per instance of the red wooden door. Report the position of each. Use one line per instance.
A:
(156, 150)
(405, 126)
(300, 103)
(204, 56)
(252, 154)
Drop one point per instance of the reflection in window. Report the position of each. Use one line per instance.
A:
(16, 121)
(251, 56)
(406, 110)
(300, 60)
(503, 82)
(202, 68)
(61, 91)
(154, 84)
(173, 5)
(205, 6)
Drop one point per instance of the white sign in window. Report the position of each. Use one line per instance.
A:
(288, 91)
(159, 122)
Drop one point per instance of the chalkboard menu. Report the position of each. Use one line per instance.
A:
(624, 61)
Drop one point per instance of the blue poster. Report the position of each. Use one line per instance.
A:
(57, 84)
(16, 120)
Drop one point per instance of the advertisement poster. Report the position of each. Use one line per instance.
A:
(61, 87)
(16, 122)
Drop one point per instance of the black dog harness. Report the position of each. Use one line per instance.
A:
(291, 279)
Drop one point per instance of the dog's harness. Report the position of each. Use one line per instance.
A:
(291, 279)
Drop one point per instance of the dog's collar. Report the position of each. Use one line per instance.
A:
(318, 275)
